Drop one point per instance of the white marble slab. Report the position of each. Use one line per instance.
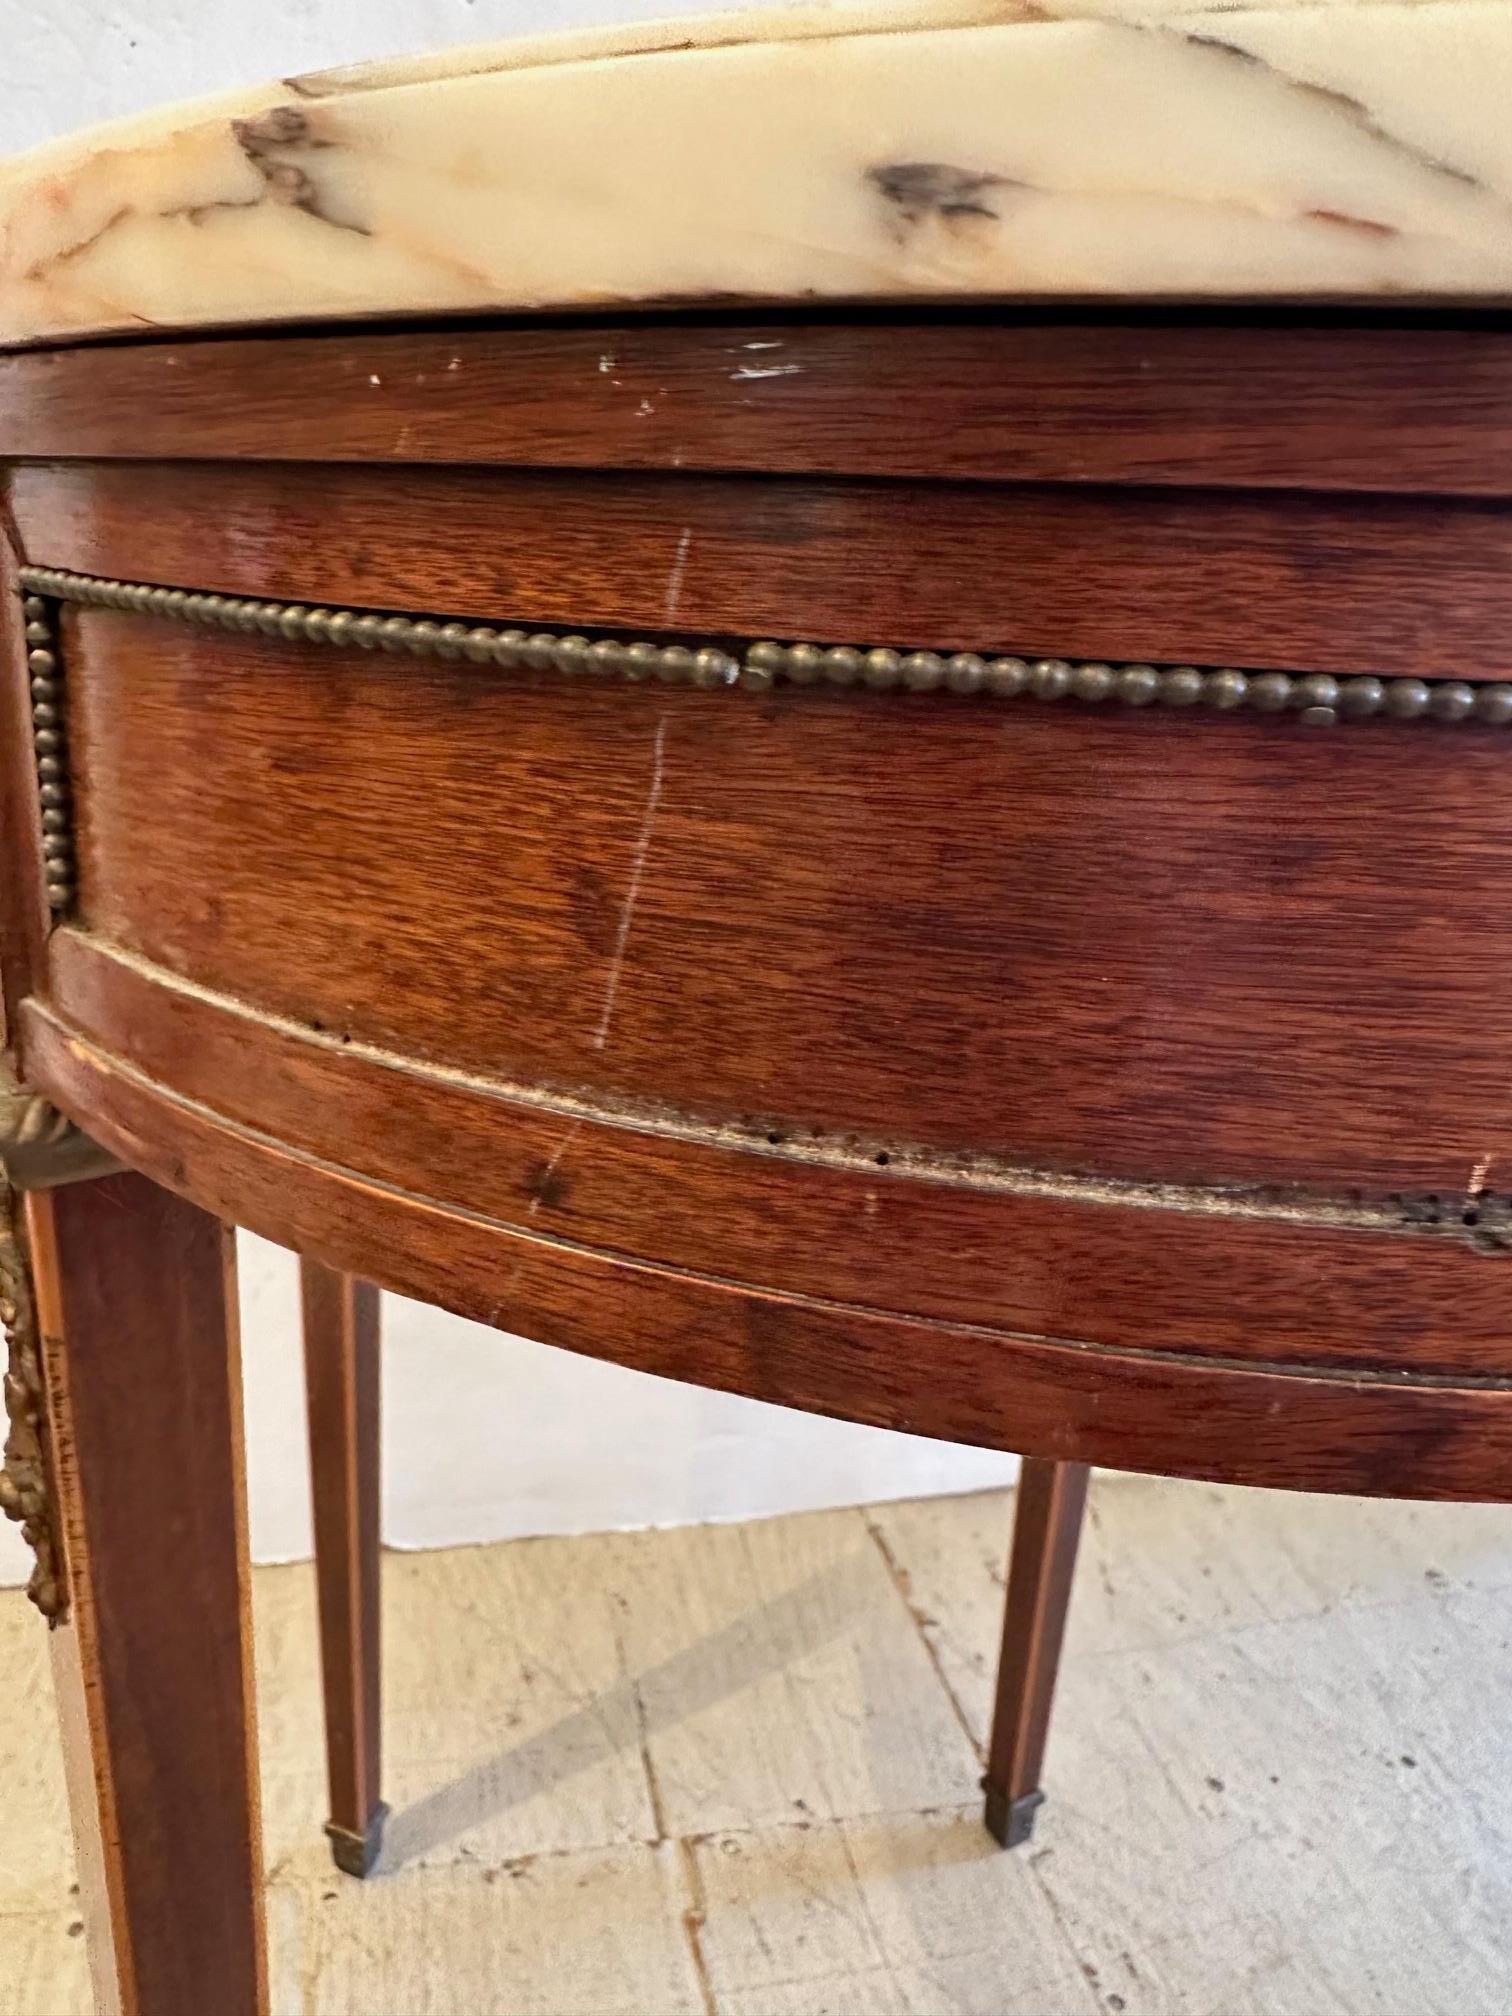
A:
(1086, 149)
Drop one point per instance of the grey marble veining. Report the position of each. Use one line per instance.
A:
(1097, 150)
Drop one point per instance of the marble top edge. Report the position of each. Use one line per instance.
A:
(947, 150)
(803, 20)
(800, 21)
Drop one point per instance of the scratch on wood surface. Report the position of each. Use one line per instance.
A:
(543, 1180)
(679, 569)
(637, 872)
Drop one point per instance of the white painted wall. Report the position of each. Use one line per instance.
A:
(486, 1436)
(67, 63)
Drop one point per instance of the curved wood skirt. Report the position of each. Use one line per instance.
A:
(1126, 1084)
(1005, 1076)
(1171, 1412)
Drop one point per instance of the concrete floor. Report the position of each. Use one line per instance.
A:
(732, 1769)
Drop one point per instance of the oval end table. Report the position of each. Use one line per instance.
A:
(732, 743)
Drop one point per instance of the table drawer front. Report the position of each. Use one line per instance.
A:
(1136, 943)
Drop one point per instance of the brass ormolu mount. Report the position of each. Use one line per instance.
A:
(24, 1480)
(39, 1149)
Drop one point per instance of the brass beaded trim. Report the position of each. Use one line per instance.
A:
(45, 669)
(516, 650)
(1317, 699)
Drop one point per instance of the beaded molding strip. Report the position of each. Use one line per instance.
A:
(1316, 698)
(45, 670)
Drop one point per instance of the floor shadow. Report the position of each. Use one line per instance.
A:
(758, 1642)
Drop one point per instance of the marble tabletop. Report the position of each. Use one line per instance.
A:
(949, 149)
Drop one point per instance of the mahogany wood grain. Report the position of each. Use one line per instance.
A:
(1303, 582)
(1047, 1519)
(1170, 947)
(1037, 1077)
(342, 1376)
(1189, 1273)
(136, 1302)
(24, 915)
(1389, 1436)
(1259, 400)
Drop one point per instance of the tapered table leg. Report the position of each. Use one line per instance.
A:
(134, 1298)
(342, 1377)
(1046, 1527)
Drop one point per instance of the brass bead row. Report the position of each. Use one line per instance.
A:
(1315, 698)
(45, 671)
(515, 650)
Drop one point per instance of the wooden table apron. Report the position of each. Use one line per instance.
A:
(1115, 1076)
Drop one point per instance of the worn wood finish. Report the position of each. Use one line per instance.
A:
(1391, 1435)
(136, 1302)
(341, 1353)
(1081, 1258)
(1141, 945)
(1047, 1520)
(1302, 582)
(1120, 1088)
(978, 969)
(24, 917)
(1268, 400)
